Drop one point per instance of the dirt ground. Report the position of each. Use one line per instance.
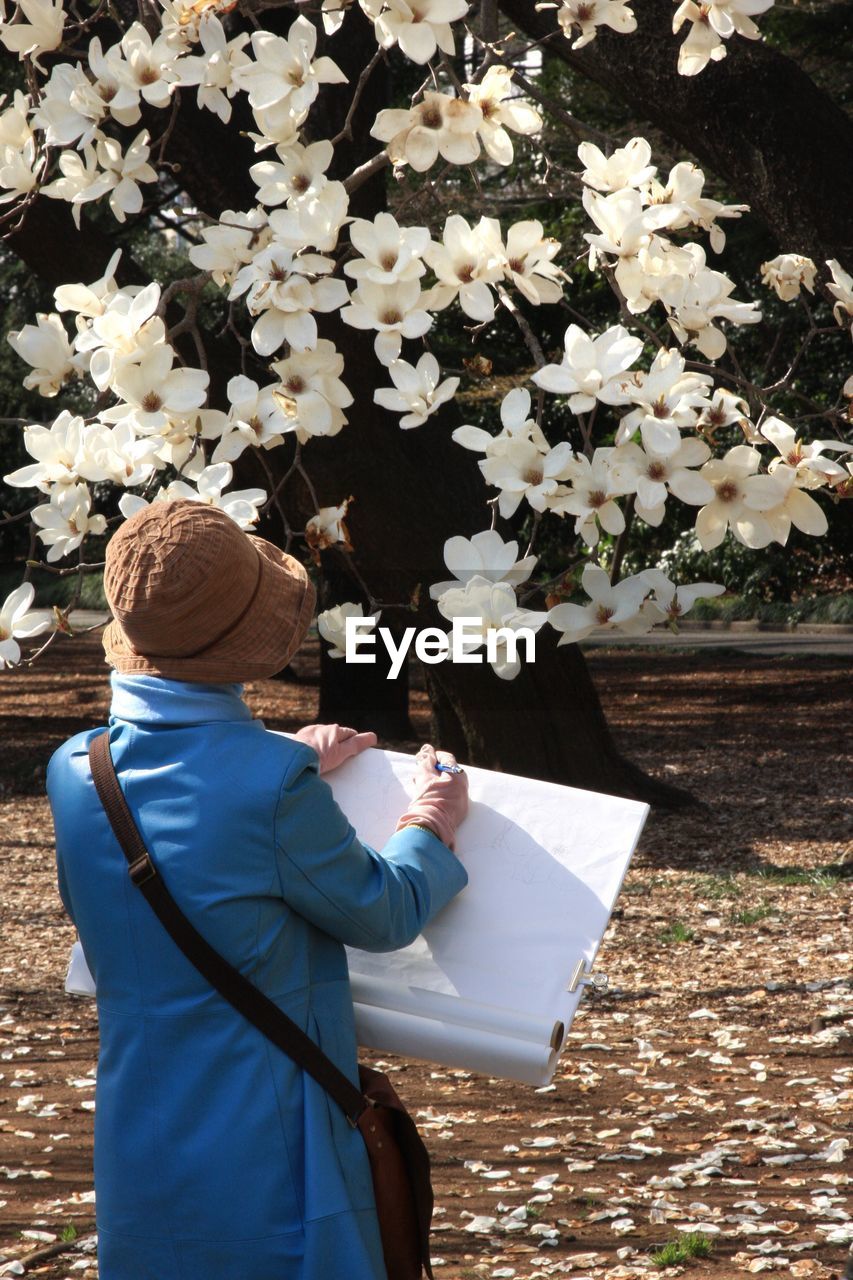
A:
(709, 1090)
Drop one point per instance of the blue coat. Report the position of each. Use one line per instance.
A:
(216, 1158)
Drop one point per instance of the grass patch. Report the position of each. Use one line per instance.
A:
(820, 878)
(717, 887)
(751, 915)
(693, 1244)
(677, 932)
(68, 1234)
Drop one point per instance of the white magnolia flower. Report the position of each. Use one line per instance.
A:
(63, 453)
(796, 507)
(591, 368)
(724, 410)
(213, 71)
(125, 172)
(40, 33)
(311, 395)
(255, 420)
(124, 331)
(417, 391)
(114, 82)
(515, 422)
(485, 555)
(328, 529)
(655, 273)
(465, 262)
(124, 457)
(19, 622)
(610, 607)
(155, 391)
(103, 170)
(668, 401)
(787, 273)
(389, 252)
(706, 298)
(299, 174)
(331, 624)
(152, 64)
(334, 12)
(813, 470)
(492, 606)
(675, 601)
(842, 289)
(279, 292)
(713, 22)
(66, 520)
(740, 499)
(437, 126)
(628, 166)
(527, 260)
(21, 162)
(588, 15)
(230, 244)
(591, 498)
(501, 113)
(652, 476)
(314, 221)
(88, 300)
(70, 109)
(395, 311)
(625, 222)
(46, 347)
(419, 27)
(285, 70)
(521, 469)
(683, 192)
(241, 504)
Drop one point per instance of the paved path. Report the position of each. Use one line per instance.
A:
(836, 642)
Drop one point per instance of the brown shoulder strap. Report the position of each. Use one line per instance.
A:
(245, 997)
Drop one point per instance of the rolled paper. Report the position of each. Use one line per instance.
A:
(452, 1045)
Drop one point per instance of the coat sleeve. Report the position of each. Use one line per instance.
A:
(370, 900)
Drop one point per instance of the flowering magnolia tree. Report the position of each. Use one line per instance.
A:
(324, 368)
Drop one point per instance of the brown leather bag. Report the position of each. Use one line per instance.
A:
(399, 1161)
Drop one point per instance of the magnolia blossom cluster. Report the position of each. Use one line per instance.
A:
(712, 22)
(635, 214)
(154, 417)
(671, 408)
(487, 574)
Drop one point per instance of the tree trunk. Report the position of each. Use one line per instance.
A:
(360, 695)
(755, 118)
(546, 723)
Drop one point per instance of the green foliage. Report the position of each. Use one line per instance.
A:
(752, 915)
(68, 1234)
(717, 887)
(677, 932)
(693, 1244)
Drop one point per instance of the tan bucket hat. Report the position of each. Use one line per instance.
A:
(195, 598)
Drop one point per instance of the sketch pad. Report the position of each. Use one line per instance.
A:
(485, 987)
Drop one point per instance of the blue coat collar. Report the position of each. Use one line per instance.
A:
(142, 699)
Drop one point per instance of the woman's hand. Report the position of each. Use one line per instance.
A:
(440, 801)
(334, 744)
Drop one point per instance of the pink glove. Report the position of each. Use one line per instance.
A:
(441, 799)
(334, 744)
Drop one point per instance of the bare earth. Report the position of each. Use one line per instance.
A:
(710, 1090)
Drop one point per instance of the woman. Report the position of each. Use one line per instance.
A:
(216, 1158)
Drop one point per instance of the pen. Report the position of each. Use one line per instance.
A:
(448, 768)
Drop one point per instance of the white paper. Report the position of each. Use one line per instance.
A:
(485, 986)
(545, 864)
